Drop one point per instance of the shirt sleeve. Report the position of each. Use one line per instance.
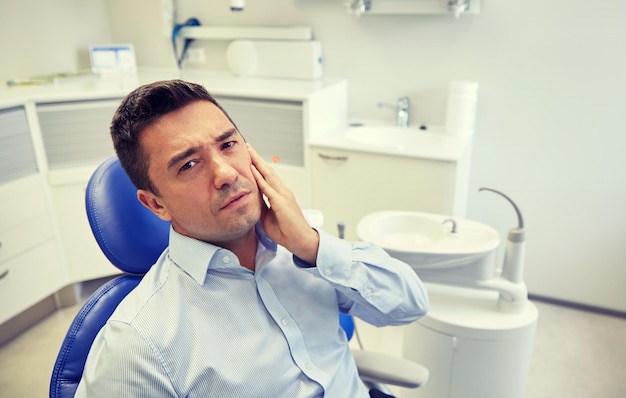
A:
(370, 284)
(121, 364)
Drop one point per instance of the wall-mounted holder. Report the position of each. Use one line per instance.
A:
(267, 51)
(455, 8)
(244, 32)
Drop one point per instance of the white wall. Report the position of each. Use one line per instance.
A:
(41, 37)
(550, 125)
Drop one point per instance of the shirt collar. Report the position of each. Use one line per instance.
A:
(263, 238)
(195, 257)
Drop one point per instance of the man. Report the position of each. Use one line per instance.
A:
(245, 300)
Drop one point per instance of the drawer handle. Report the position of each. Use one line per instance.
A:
(4, 274)
(328, 157)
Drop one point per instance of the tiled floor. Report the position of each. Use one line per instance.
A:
(576, 355)
(26, 362)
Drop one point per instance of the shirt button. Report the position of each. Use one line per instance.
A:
(226, 259)
(367, 292)
(328, 272)
(284, 321)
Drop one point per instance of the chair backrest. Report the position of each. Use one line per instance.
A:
(70, 362)
(132, 238)
(130, 235)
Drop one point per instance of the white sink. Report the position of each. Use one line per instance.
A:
(426, 242)
(394, 137)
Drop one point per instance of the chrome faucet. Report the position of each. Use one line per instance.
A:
(358, 7)
(402, 107)
(457, 7)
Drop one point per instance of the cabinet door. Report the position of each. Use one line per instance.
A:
(30, 260)
(76, 139)
(435, 351)
(85, 260)
(28, 278)
(24, 217)
(347, 185)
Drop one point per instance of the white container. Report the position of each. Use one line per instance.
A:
(461, 108)
(286, 59)
(471, 348)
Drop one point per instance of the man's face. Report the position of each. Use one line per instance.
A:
(200, 165)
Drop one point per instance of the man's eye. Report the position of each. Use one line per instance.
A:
(188, 165)
(228, 144)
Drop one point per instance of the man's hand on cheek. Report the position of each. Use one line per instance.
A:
(283, 220)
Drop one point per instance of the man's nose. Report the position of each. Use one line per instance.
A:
(224, 173)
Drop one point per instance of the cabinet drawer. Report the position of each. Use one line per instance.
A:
(17, 157)
(28, 278)
(20, 201)
(76, 133)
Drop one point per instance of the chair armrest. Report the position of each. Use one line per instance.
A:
(382, 368)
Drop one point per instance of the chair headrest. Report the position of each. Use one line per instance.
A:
(130, 235)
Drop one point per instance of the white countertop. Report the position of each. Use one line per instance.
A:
(437, 144)
(473, 313)
(217, 82)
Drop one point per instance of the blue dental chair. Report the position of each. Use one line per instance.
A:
(120, 224)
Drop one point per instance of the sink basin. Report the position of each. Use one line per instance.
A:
(414, 232)
(426, 241)
(393, 137)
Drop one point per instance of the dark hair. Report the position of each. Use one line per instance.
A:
(140, 109)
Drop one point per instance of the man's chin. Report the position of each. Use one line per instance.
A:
(238, 228)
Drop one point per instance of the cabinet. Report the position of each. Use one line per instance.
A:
(30, 260)
(53, 138)
(84, 258)
(76, 140)
(347, 185)
(471, 348)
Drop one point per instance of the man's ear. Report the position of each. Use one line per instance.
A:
(153, 203)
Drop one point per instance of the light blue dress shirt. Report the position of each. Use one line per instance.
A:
(200, 325)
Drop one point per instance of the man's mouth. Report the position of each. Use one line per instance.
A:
(234, 200)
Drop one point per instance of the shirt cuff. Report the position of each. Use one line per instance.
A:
(301, 263)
